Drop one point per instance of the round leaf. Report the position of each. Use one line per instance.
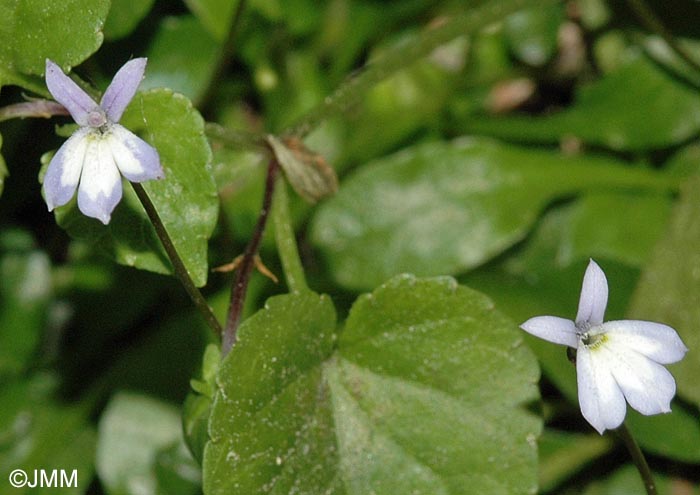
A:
(67, 32)
(423, 394)
(443, 208)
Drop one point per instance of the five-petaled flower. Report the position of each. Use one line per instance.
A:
(615, 360)
(101, 149)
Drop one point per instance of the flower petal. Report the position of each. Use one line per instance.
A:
(553, 329)
(654, 340)
(69, 94)
(123, 88)
(594, 296)
(100, 183)
(601, 400)
(647, 385)
(64, 169)
(137, 160)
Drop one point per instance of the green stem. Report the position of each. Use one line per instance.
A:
(653, 23)
(225, 55)
(180, 269)
(237, 139)
(401, 56)
(638, 458)
(286, 242)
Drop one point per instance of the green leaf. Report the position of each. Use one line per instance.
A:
(444, 208)
(637, 107)
(124, 16)
(37, 432)
(408, 101)
(215, 15)
(25, 294)
(31, 31)
(181, 57)
(675, 435)
(129, 238)
(669, 289)
(177, 473)
(626, 481)
(621, 227)
(271, 403)
(564, 454)
(423, 393)
(186, 199)
(132, 431)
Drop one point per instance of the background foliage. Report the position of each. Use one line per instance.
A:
(485, 151)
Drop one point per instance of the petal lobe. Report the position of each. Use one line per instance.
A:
(553, 329)
(123, 88)
(67, 93)
(594, 296)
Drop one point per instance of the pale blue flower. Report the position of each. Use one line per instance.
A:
(93, 159)
(615, 360)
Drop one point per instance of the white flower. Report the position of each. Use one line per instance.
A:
(615, 360)
(97, 153)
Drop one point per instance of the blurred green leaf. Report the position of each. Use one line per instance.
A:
(669, 289)
(133, 431)
(428, 381)
(177, 473)
(185, 199)
(532, 33)
(240, 177)
(564, 454)
(181, 57)
(31, 31)
(215, 15)
(659, 51)
(301, 85)
(621, 227)
(636, 107)
(124, 16)
(37, 432)
(626, 481)
(25, 292)
(446, 207)
(675, 435)
(405, 103)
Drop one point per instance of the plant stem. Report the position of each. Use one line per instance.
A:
(401, 56)
(654, 24)
(236, 138)
(245, 268)
(180, 269)
(286, 242)
(638, 458)
(36, 108)
(225, 55)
